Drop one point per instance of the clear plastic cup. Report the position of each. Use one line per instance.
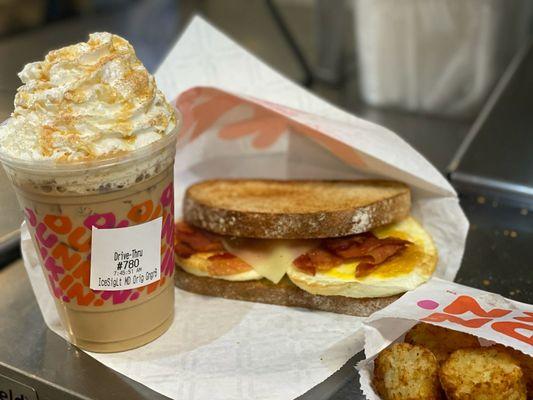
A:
(63, 201)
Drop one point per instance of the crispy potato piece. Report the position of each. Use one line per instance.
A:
(526, 363)
(441, 341)
(485, 373)
(406, 372)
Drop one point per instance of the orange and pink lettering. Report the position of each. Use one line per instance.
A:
(465, 304)
(69, 260)
(514, 327)
(47, 241)
(470, 323)
(58, 223)
(65, 249)
(75, 238)
(30, 217)
(509, 328)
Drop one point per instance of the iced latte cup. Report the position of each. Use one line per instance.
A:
(90, 150)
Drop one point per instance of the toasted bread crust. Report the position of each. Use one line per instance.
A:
(274, 209)
(285, 293)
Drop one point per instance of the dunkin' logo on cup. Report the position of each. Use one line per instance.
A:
(467, 312)
(65, 249)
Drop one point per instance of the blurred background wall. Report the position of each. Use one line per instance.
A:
(426, 56)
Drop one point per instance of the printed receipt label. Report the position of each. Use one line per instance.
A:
(126, 258)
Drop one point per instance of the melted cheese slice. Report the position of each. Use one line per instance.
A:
(269, 257)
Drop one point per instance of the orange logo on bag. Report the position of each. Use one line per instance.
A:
(514, 327)
(262, 123)
(510, 328)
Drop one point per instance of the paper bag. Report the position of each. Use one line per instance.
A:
(490, 317)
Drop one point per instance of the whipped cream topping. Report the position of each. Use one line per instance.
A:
(86, 101)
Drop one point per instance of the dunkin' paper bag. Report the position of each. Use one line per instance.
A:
(490, 317)
(242, 119)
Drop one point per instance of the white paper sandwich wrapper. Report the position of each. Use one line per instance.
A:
(490, 317)
(240, 350)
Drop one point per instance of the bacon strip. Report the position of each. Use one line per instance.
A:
(317, 259)
(366, 248)
(340, 245)
(360, 245)
(377, 256)
(364, 269)
(226, 264)
(189, 240)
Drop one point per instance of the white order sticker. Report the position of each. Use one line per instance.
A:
(126, 258)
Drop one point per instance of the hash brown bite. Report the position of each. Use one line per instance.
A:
(526, 363)
(440, 341)
(406, 372)
(485, 373)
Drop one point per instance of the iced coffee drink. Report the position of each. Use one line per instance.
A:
(90, 151)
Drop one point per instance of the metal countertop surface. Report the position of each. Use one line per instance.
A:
(496, 259)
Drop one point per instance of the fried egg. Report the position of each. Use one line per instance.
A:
(198, 263)
(401, 273)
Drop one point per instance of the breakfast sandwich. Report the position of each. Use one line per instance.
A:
(343, 246)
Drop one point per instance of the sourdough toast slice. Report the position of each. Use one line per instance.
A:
(303, 209)
(284, 293)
